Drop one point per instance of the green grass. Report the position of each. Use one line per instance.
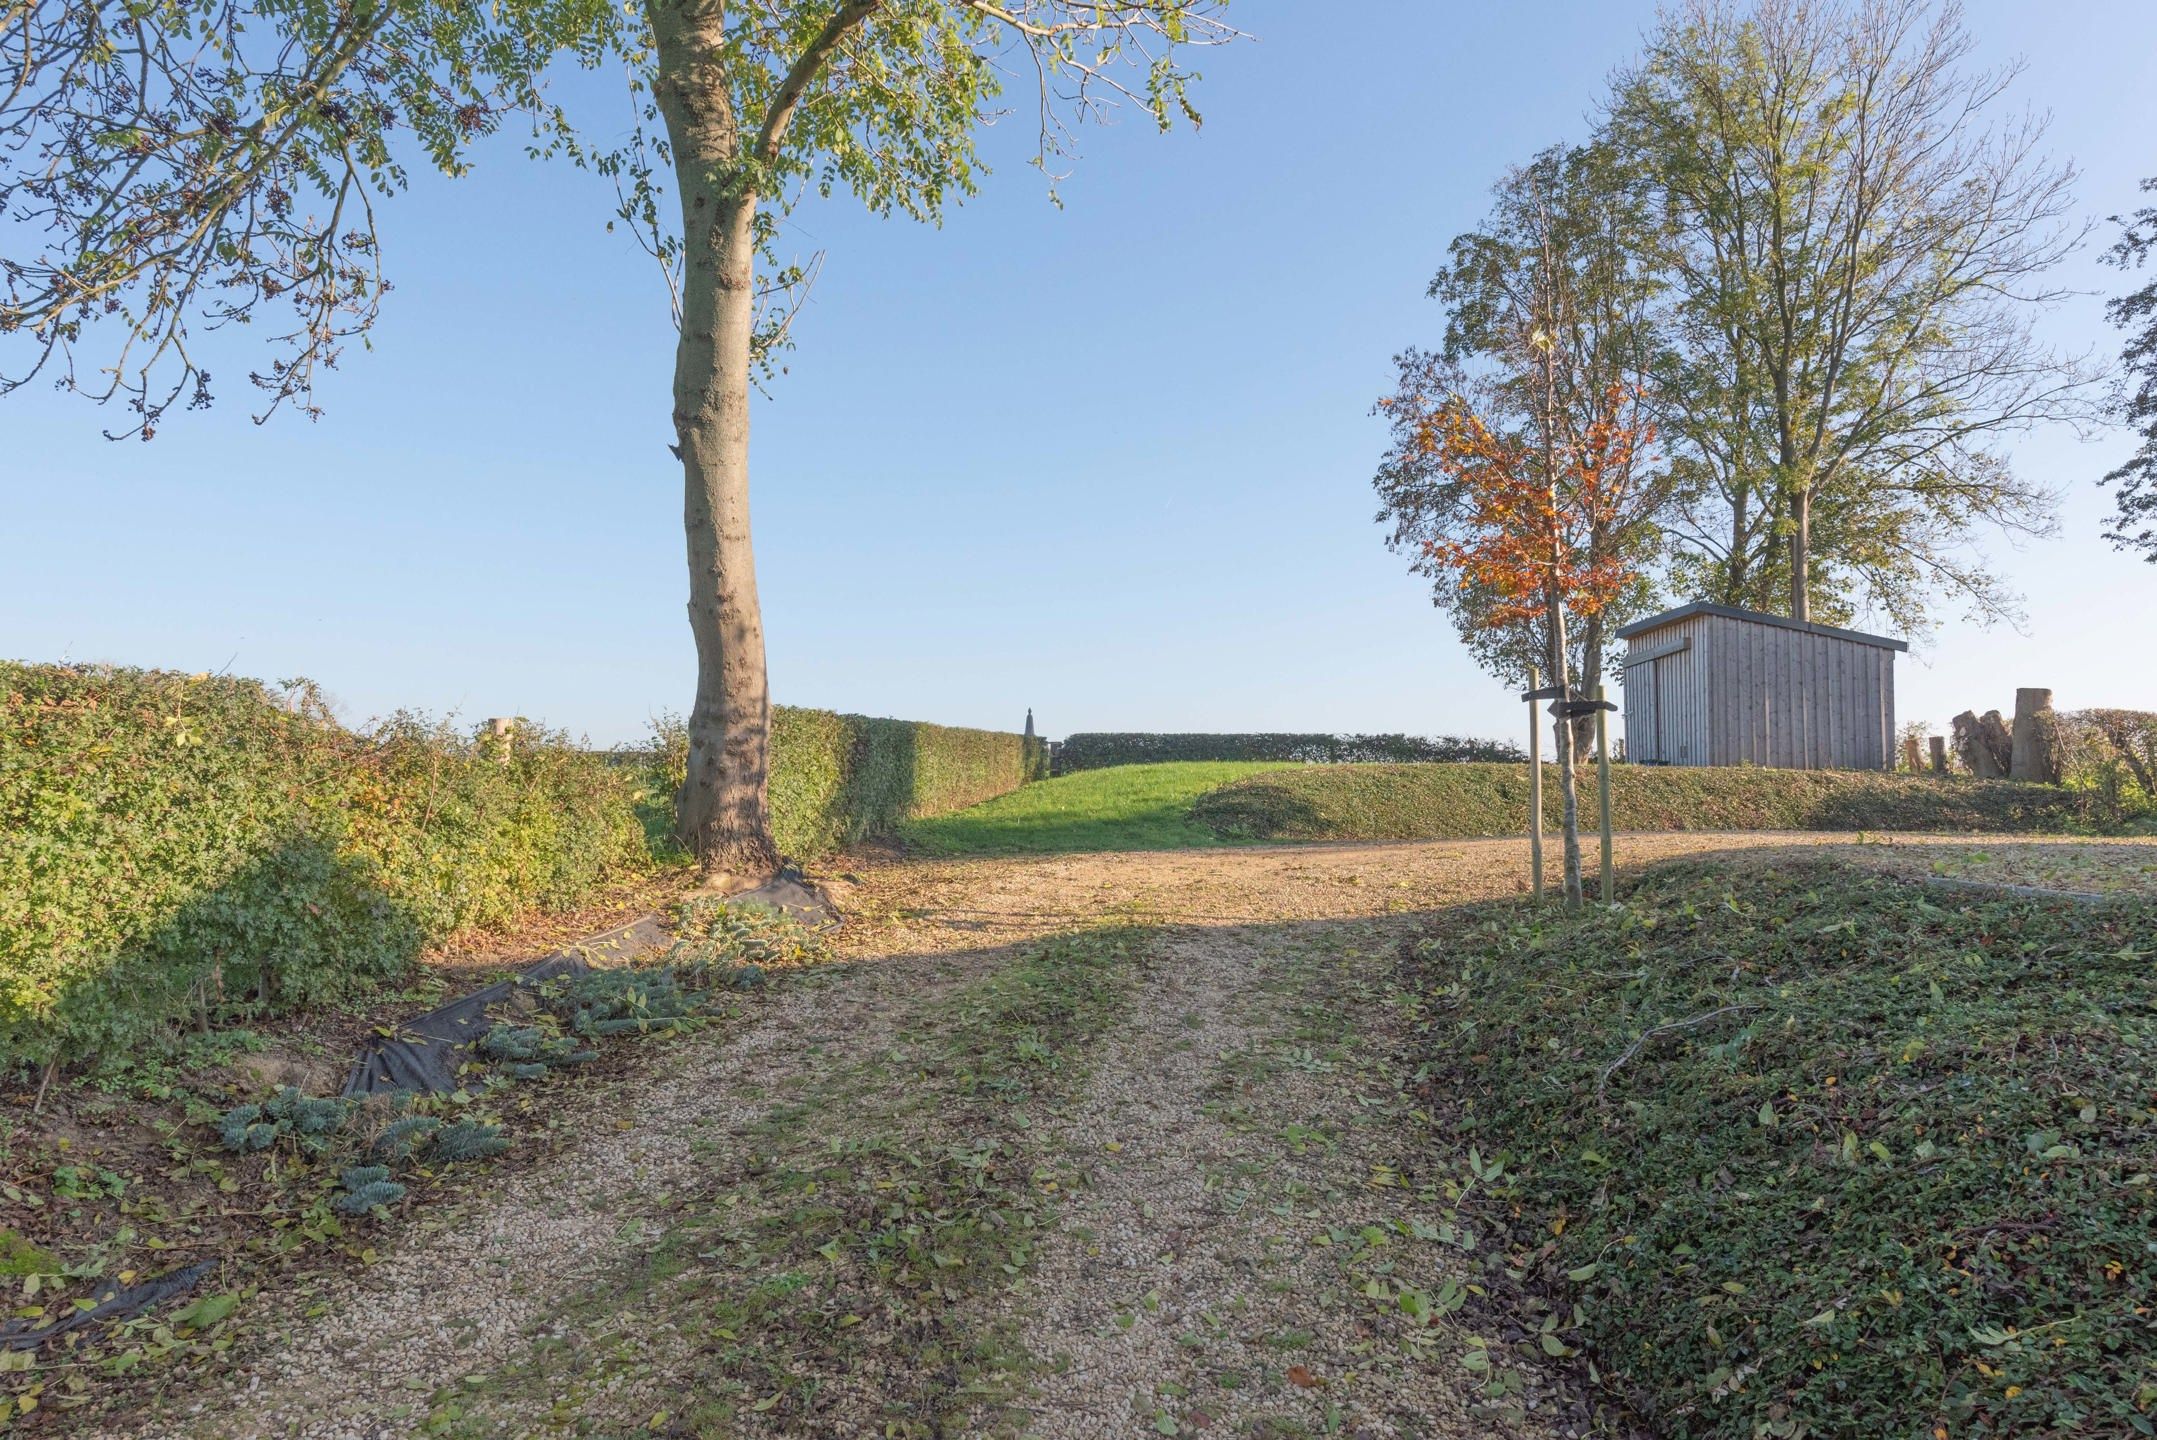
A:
(1124, 807)
(1814, 1151)
(1451, 802)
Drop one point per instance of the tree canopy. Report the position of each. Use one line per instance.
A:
(2134, 520)
(1857, 240)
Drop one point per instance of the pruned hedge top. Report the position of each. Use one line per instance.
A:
(1094, 751)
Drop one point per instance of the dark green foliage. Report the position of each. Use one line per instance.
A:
(1819, 1152)
(619, 1002)
(403, 1137)
(2134, 523)
(530, 1052)
(838, 779)
(198, 848)
(310, 1123)
(1097, 751)
(244, 1129)
(463, 1140)
(1445, 802)
(365, 1187)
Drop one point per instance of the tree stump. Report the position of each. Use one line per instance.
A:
(1939, 754)
(2035, 742)
(1983, 745)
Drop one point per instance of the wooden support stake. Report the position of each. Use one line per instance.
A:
(497, 736)
(1535, 784)
(1602, 782)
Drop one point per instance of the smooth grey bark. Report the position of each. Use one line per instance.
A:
(722, 813)
(1560, 669)
(1801, 554)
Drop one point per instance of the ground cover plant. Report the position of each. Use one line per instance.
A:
(1816, 1151)
(1126, 807)
(285, 1184)
(1445, 802)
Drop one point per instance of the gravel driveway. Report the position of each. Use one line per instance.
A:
(1238, 1238)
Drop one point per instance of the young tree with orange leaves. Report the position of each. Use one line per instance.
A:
(1520, 472)
(1532, 502)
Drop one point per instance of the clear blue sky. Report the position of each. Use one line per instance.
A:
(1111, 461)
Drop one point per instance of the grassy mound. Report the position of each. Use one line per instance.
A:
(1818, 1152)
(1125, 807)
(1451, 802)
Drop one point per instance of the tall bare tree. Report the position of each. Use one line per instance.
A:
(1861, 242)
(173, 164)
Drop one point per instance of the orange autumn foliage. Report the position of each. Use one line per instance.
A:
(1522, 537)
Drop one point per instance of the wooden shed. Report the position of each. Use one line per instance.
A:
(1716, 685)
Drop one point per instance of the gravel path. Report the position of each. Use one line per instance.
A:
(1232, 1261)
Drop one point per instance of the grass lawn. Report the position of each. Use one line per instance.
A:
(1457, 802)
(1817, 1152)
(1124, 807)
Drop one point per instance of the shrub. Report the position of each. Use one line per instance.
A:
(840, 779)
(204, 847)
(1447, 802)
(1817, 1152)
(1096, 751)
(403, 1137)
(364, 1188)
(2113, 755)
(466, 1140)
(311, 1123)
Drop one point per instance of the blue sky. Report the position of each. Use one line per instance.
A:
(1111, 461)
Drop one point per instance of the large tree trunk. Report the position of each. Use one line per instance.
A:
(1801, 553)
(721, 813)
(2034, 739)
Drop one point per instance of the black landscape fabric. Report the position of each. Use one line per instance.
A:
(113, 1304)
(425, 1053)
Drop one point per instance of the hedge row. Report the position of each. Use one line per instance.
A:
(202, 847)
(1448, 802)
(1097, 751)
(838, 779)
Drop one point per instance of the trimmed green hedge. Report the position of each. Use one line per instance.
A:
(1450, 802)
(1099, 750)
(838, 779)
(195, 848)
(201, 848)
(1792, 1150)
